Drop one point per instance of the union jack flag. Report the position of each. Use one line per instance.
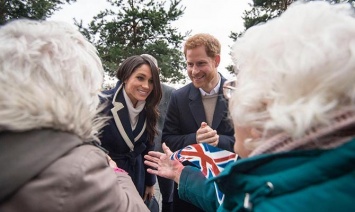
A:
(209, 159)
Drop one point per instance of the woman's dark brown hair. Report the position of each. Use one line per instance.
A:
(125, 70)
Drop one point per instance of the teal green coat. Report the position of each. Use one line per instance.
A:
(295, 181)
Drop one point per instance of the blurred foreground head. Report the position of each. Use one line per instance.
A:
(297, 71)
(50, 77)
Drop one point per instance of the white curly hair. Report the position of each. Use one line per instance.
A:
(50, 77)
(296, 69)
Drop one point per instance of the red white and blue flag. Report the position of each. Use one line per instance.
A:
(209, 159)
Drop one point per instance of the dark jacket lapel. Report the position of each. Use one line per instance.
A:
(196, 106)
(221, 106)
(121, 117)
(141, 125)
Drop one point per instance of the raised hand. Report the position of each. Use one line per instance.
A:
(162, 165)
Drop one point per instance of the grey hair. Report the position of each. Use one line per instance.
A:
(151, 58)
(50, 77)
(296, 69)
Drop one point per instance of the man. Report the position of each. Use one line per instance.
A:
(166, 186)
(198, 112)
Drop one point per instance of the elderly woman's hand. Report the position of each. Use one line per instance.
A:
(113, 165)
(162, 165)
(111, 162)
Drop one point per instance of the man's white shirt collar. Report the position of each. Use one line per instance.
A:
(213, 91)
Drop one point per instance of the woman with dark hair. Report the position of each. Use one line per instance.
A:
(130, 133)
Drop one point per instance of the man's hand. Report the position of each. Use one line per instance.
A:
(205, 134)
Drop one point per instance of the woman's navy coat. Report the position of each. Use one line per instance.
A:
(117, 137)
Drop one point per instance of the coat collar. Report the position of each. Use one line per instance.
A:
(196, 104)
(121, 117)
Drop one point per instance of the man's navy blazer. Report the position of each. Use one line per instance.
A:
(185, 114)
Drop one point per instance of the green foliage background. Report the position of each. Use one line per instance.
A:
(264, 10)
(129, 27)
(32, 9)
(134, 27)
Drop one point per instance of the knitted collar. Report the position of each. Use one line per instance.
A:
(330, 136)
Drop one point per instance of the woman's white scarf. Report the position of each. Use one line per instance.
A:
(133, 111)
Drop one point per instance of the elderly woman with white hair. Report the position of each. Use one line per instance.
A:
(293, 109)
(50, 80)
